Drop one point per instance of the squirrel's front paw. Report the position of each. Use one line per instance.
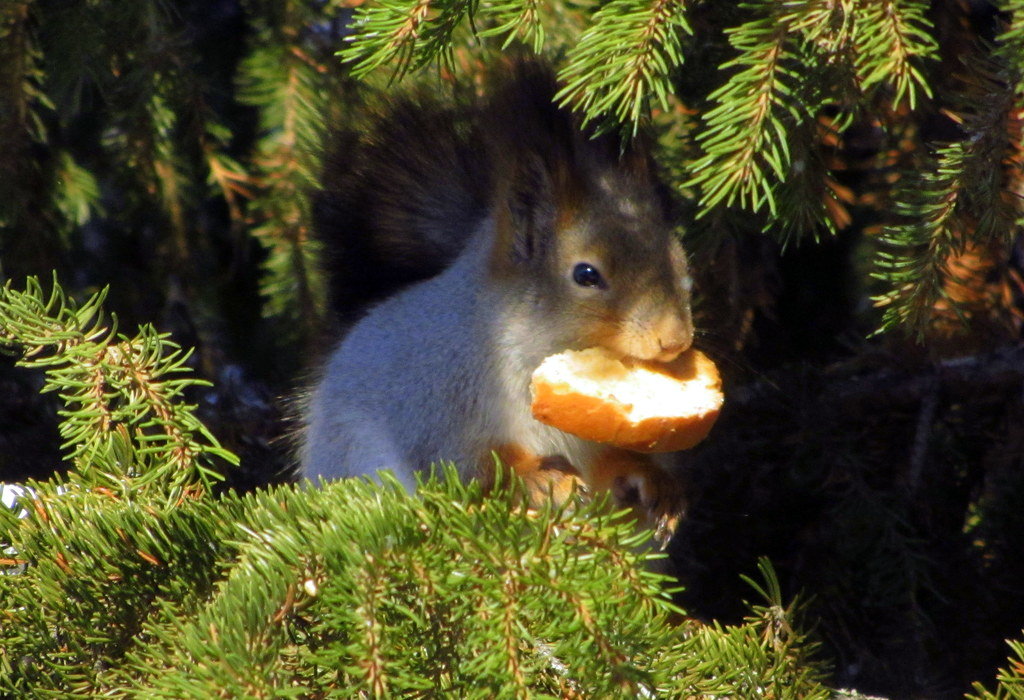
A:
(636, 482)
(554, 480)
(550, 478)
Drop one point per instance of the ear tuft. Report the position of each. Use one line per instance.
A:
(530, 203)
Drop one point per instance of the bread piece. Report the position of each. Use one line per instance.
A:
(633, 404)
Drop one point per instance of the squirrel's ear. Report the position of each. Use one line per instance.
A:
(526, 216)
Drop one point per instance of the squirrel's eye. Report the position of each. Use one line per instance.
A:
(586, 275)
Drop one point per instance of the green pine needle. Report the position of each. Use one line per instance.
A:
(405, 34)
(291, 94)
(624, 60)
(359, 588)
(1010, 678)
(515, 20)
(116, 390)
(914, 254)
(967, 197)
(745, 140)
(892, 38)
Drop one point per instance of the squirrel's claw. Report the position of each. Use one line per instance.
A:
(656, 499)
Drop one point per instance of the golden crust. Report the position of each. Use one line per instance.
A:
(607, 421)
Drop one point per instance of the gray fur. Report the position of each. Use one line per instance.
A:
(430, 374)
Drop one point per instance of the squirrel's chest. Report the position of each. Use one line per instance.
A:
(492, 391)
(517, 426)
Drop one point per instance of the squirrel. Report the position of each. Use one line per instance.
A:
(469, 244)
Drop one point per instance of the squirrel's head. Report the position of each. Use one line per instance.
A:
(583, 238)
(621, 281)
(597, 268)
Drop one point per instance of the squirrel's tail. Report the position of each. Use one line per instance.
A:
(398, 203)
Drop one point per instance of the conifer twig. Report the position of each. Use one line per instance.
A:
(114, 388)
(891, 38)
(625, 59)
(745, 138)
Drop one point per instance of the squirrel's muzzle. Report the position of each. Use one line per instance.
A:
(661, 338)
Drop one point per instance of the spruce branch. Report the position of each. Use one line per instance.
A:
(225, 174)
(404, 34)
(990, 115)
(1010, 678)
(358, 587)
(969, 197)
(892, 38)
(746, 133)
(99, 563)
(1010, 43)
(1009, 53)
(169, 172)
(624, 60)
(291, 92)
(766, 656)
(26, 233)
(20, 74)
(514, 20)
(117, 390)
(148, 108)
(913, 261)
(77, 195)
(809, 200)
(824, 24)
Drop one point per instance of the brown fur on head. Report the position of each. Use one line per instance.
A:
(398, 201)
(582, 228)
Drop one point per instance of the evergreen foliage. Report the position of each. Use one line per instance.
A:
(745, 138)
(131, 155)
(890, 40)
(123, 414)
(956, 201)
(357, 589)
(624, 60)
(291, 88)
(128, 109)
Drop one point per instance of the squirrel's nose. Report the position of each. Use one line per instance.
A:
(671, 352)
(675, 336)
